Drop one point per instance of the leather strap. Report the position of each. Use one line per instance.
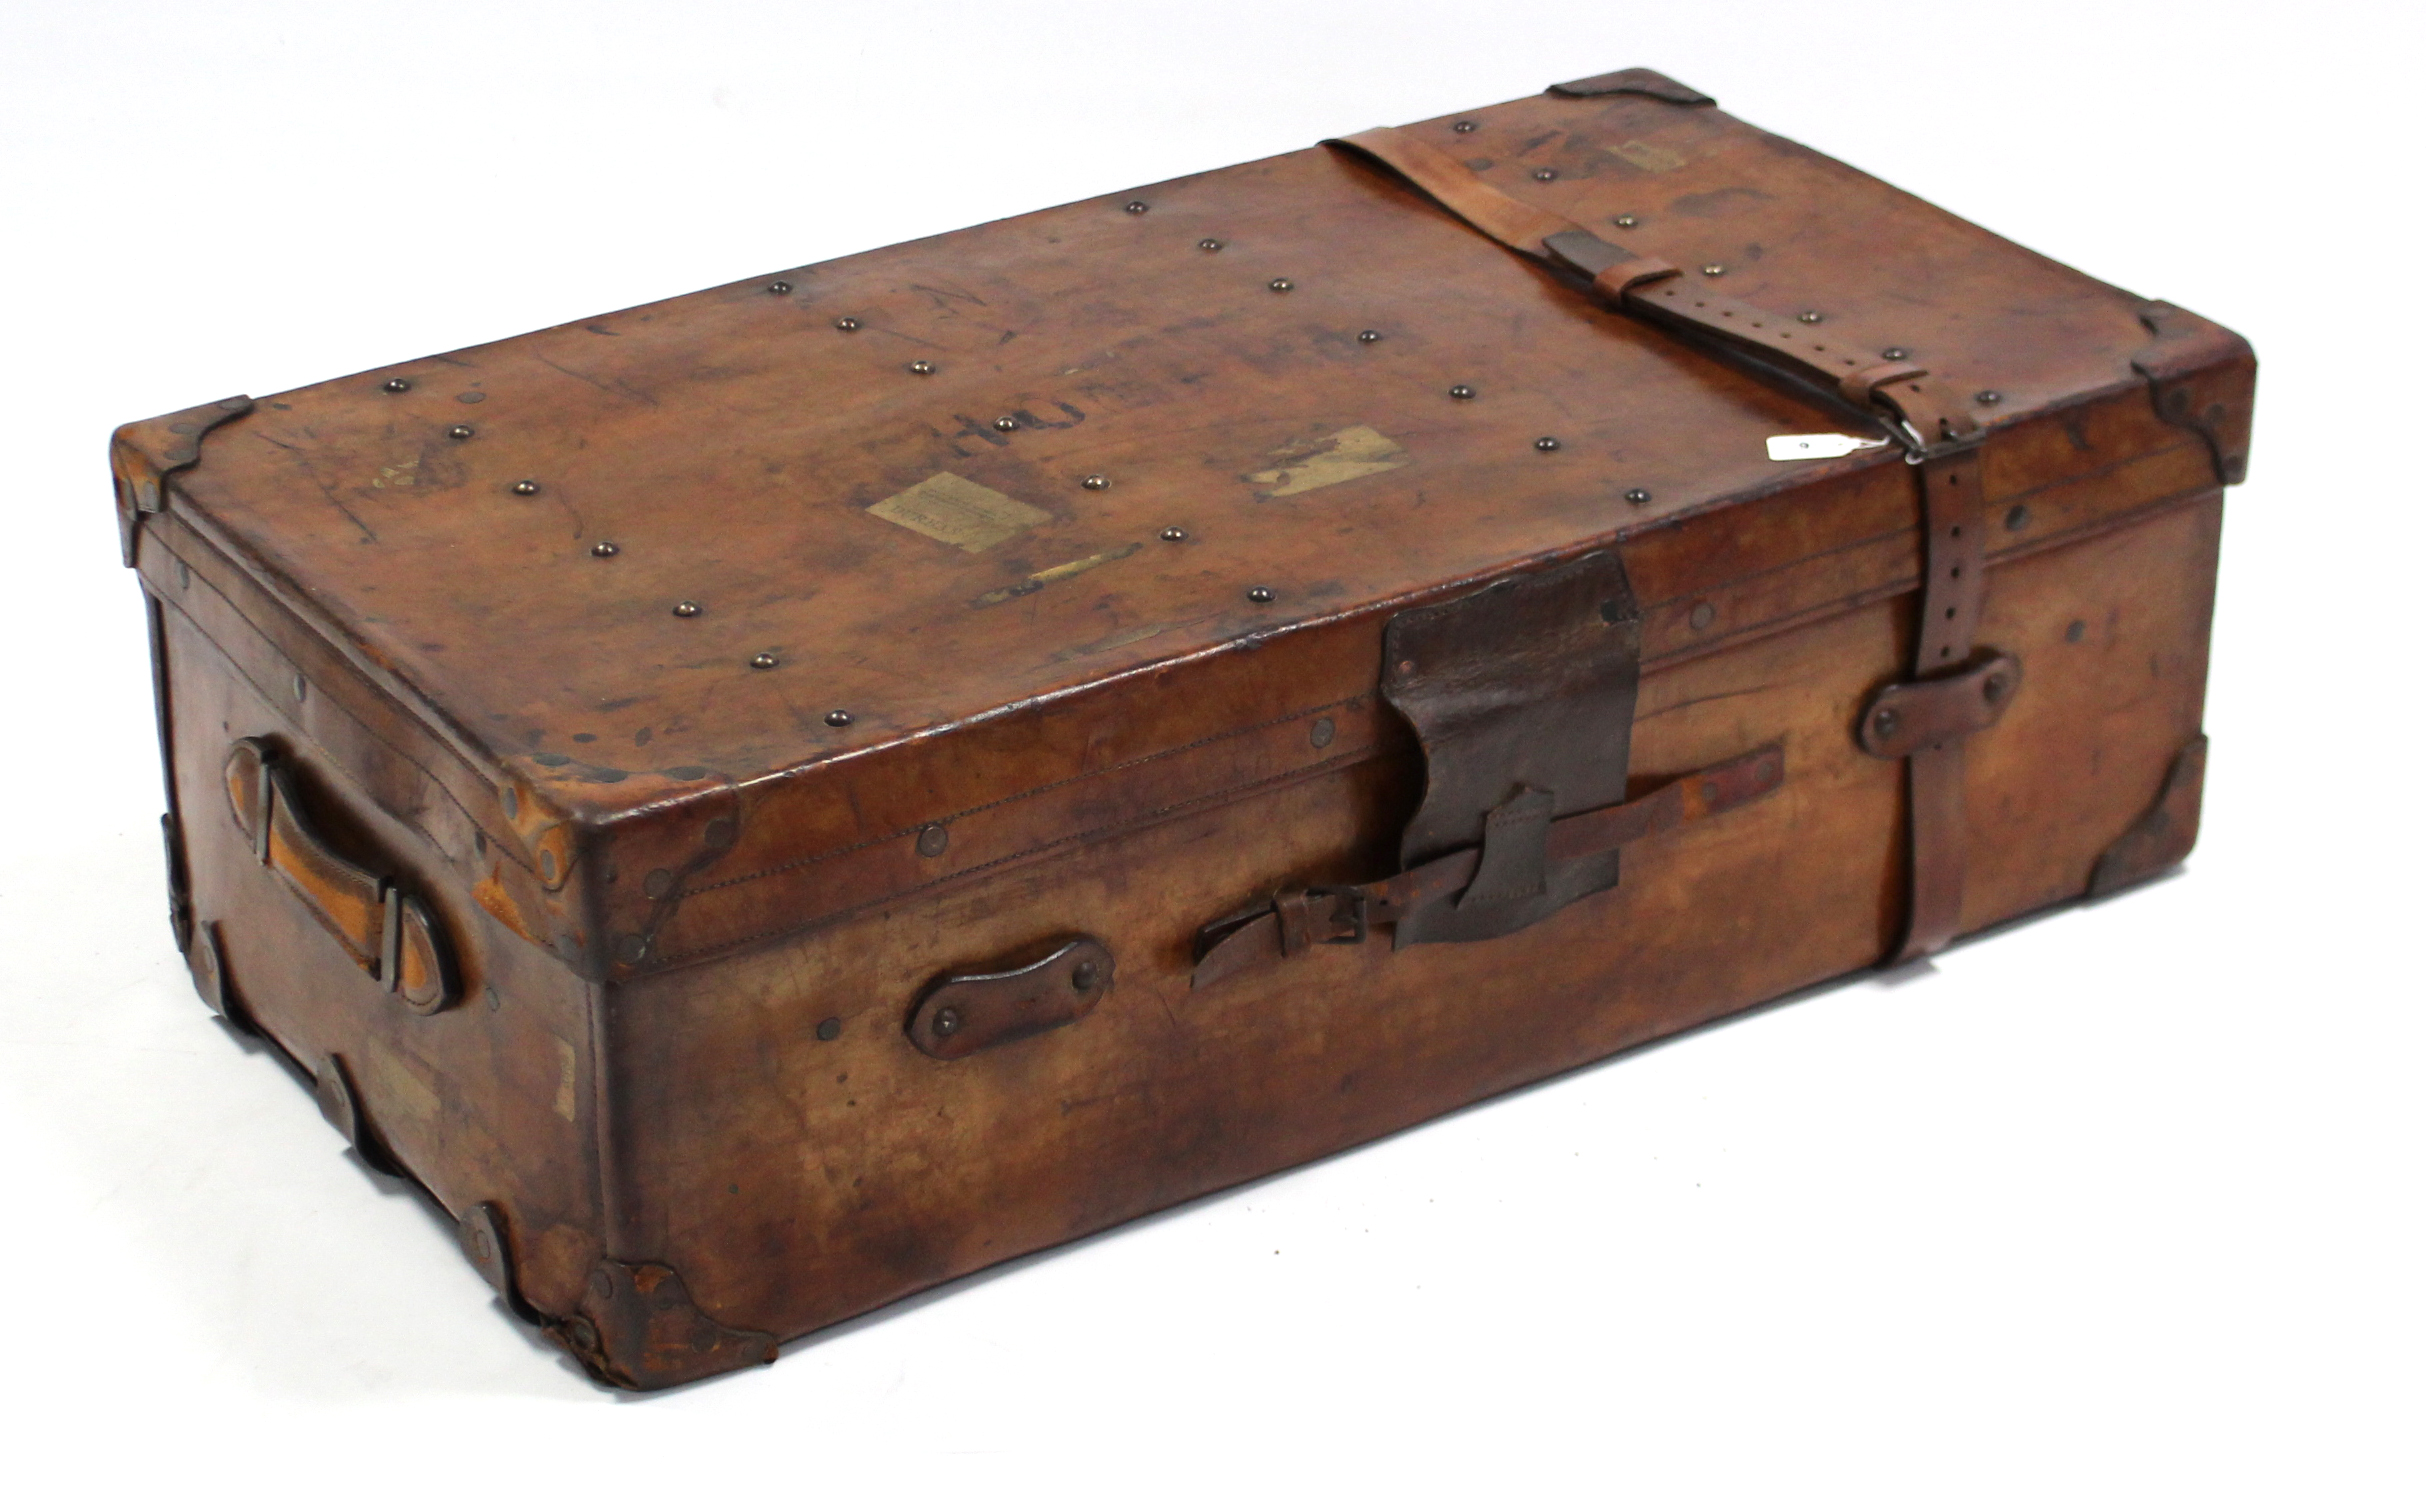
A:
(1296, 920)
(1940, 435)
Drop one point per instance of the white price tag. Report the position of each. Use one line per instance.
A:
(1818, 446)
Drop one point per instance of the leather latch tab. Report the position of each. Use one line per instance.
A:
(963, 1013)
(1907, 717)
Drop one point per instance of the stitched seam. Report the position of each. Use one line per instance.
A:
(1268, 782)
(1146, 759)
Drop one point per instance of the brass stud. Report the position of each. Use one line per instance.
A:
(947, 1022)
(1885, 722)
(1713, 270)
(1096, 482)
(604, 550)
(846, 323)
(686, 611)
(459, 431)
(1895, 353)
(525, 488)
(1988, 397)
(1281, 286)
(2016, 518)
(922, 368)
(1545, 174)
(1135, 209)
(763, 661)
(1322, 733)
(1210, 245)
(1464, 126)
(633, 949)
(838, 719)
(395, 385)
(658, 883)
(933, 838)
(1006, 423)
(1175, 534)
(1702, 615)
(1811, 317)
(1992, 686)
(828, 1030)
(1626, 219)
(1461, 391)
(2074, 632)
(1368, 337)
(1546, 445)
(779, 288)
(1638, 496)
(1260, 595)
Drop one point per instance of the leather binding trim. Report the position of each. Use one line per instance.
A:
(638, 1329)
(341, 1103)
(1641, 80)
(144, 455)
(1521, 697)
(2164, 834)
(2195, 372)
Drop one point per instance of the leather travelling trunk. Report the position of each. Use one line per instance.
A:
(772, 800)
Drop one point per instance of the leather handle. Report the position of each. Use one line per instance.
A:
(1657, 293)
(389, 932)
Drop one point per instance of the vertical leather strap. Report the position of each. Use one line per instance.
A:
(1952, 594)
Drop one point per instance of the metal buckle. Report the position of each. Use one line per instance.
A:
(1361, 913)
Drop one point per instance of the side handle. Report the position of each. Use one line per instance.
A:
(389, 932)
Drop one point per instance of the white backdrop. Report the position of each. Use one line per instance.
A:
(2129, 1194)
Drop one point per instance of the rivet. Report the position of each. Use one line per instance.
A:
(1368, 337)
(687, 610)
(1714, 269)
(779, 287)
(828, 1030)
(1135, 209)
(632, 948)
(547, 863)
(1993, 687)
(525, 488)
(185, 574)
(1811, 317)
(395, 385)
(1895, 353)
(922, 368)
(846, 323)
(507, 798)
(2075, 631)
(658, 884)
(300, 687)
(459, 431)
(838, 719)
(1464, 126)
(2016, 518)
(1260, 595)
(1096, 482)
(1323, 732)
(1006, 423)
(1175, 534)
(947, 1022)
(1638, 496)
(1210, 245)
(1884, 723)
(1546, 444)
(1545, 174)
(763, 660)
(1461, 391)
(933, 838)
(604, 550)
(1281, 286)
(1406, 668)
(1626, 219)
(1702, 615)
(1082, 977)
(1988, 397)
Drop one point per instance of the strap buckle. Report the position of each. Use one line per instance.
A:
(1344, 919)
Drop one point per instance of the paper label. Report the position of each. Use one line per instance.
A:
(1310, 464)
(959, 511)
